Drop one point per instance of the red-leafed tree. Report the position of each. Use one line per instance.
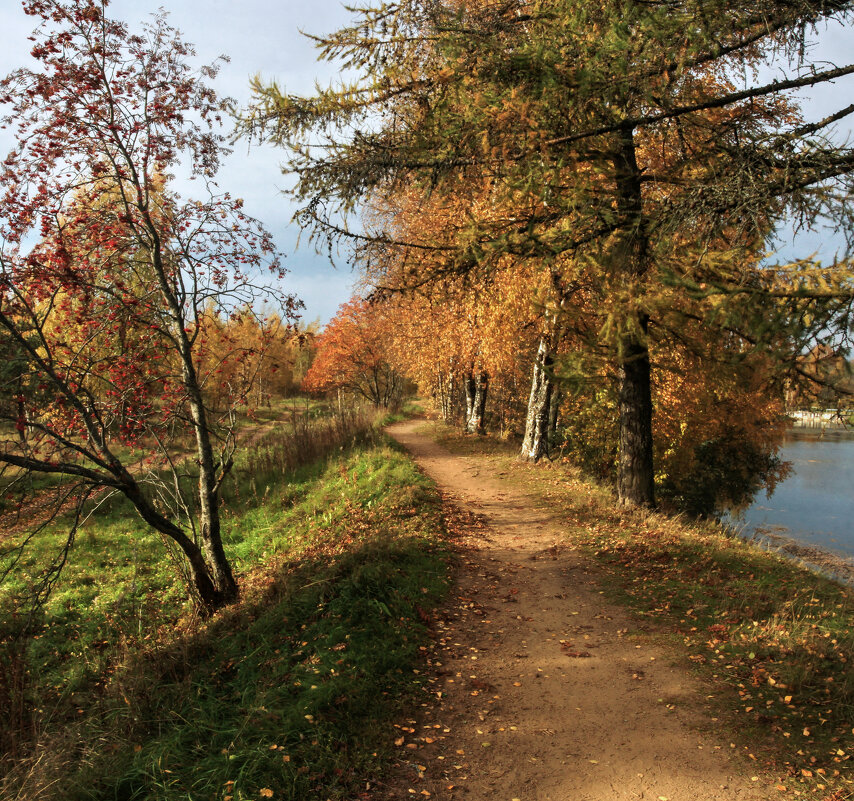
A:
(104, 314)
(353, 356)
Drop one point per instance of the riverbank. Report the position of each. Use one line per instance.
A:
(812, 433)
(836, 567)
(545, 689)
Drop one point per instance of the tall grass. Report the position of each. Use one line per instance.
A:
(301, 441)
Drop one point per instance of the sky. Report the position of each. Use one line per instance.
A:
(263, 36)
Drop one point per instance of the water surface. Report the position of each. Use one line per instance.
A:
(815, 505)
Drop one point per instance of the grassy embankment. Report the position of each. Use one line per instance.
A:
(125, 694)
(772, 642)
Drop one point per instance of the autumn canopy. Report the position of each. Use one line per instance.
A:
(623, 163)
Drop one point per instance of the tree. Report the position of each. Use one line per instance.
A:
(106, 312)
(466, 332)
(828, 383)
(722, 428)
(718, 424)
(616, 145)
(352, 356)
(249, 356)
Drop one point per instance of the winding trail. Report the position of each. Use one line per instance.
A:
(543, 694)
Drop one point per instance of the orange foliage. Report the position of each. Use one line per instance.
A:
(353, 356)
(247, 358)
(718, 425)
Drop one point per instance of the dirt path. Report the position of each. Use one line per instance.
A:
(545, 695)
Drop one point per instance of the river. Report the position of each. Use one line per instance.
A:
(815, 504)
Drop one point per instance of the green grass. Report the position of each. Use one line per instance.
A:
(284, 408)
(287, 691)
(772, 642)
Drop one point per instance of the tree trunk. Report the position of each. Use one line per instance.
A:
(439, 390)
(210, 596)
(450, 398)
(636, 484)
(480, 402)
(535, 445)
(22, 417)
(635, 476)
(476, 390)
(209, 518)
(210, 475)
(554, 405)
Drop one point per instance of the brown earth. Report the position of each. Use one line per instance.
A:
(540, 689)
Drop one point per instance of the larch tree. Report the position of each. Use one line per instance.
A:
(439, 329)
(468, 328)
(105, 311)
(247, 357)
(629, 148)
